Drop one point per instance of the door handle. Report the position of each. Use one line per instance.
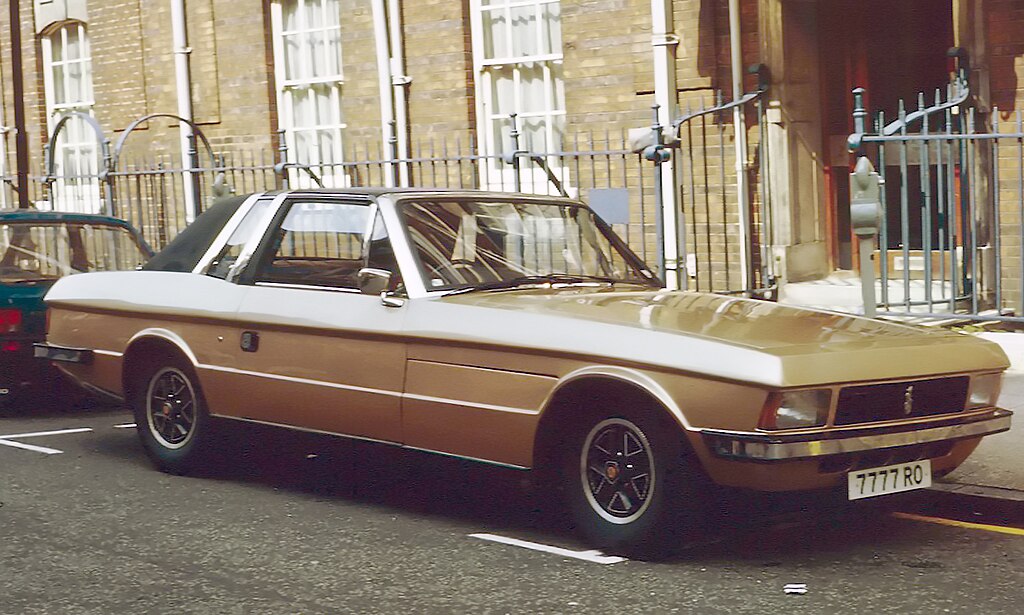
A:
(250, 341)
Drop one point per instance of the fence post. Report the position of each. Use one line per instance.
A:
(107, 177)
(282, 166)
(657, 154)
(518, 185)
(192, 179)
(865, 218)
(393, 148)
(221, 187)
(48, 179)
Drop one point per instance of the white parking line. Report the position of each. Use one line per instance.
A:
(8, 440)
(125, 426)
(588, 556)
(29, 447)
(36, 434)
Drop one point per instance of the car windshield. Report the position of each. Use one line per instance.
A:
(481, 245)
(49, 250)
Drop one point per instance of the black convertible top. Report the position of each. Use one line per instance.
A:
(184, 252)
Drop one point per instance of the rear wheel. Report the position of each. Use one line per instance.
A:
(630, 484)
(170, 415)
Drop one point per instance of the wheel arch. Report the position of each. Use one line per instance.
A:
(147, 344)
(568, 399)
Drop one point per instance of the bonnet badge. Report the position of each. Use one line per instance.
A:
(908, 400)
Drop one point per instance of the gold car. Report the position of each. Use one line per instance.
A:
(516, 330)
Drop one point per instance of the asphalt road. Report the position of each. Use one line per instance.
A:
(299, 524)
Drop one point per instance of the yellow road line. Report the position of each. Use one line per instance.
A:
(973, 526)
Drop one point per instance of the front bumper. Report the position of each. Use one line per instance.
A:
(63, 354)
(764, 447)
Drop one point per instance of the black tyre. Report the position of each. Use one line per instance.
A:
(170, 415)
(630, 484)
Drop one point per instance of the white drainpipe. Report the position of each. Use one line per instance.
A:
(740, 142)
(183, 86)
(399, 81)
(387, 99)
(665, 41)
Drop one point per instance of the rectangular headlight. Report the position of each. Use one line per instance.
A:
(984, 391)
(796, 409)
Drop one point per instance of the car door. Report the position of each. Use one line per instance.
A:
(313, 351)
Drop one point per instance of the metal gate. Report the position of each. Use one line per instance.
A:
(721, 197)
(949, 244)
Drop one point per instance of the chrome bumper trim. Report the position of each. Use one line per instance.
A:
(776, 447)
(63, 354)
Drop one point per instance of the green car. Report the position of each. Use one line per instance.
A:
(36, 249)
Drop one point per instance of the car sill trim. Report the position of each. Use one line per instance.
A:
(370, 440)
(296, 380)
(470, 404)
(371, 391)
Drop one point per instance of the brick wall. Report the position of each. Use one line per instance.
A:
(230, 65)
(439, 60)
(35, 108)
(1004, 31)
(361, 91)
(606, 44)
(1005, 41)
(607, 66)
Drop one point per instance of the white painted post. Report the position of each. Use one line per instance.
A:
(664, 40)
(740, 143)
(183, 85)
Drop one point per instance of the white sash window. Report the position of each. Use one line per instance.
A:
(67, 83)
(517, 54)
(307, 67)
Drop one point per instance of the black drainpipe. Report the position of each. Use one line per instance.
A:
(20, 134)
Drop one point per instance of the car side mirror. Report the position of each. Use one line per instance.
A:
(373, 281)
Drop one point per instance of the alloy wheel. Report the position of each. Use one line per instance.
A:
(171, 408)
(617, 470)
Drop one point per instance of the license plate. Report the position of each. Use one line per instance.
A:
(870, 482)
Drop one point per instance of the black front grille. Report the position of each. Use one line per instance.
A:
(891, 401)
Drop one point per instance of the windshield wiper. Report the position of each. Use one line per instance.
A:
(532, 280)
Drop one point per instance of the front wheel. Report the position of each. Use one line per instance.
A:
(631, 487)
(170, 416)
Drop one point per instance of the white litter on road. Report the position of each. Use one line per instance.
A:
(795, 588)
(595, 557)
(8, 440)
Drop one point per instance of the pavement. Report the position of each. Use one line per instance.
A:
(996, 469)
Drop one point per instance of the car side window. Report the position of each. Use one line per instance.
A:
(35, 250)
(379, 253)
(225, 262)
(317, 244)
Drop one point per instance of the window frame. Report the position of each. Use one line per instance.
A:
(289, 93)
(263, 250)
(486, 68)
(570, 214)
(80, 188)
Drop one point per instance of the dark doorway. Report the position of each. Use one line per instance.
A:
(893, 49)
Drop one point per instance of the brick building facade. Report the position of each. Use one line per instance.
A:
(316, 69)
(605, 51)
